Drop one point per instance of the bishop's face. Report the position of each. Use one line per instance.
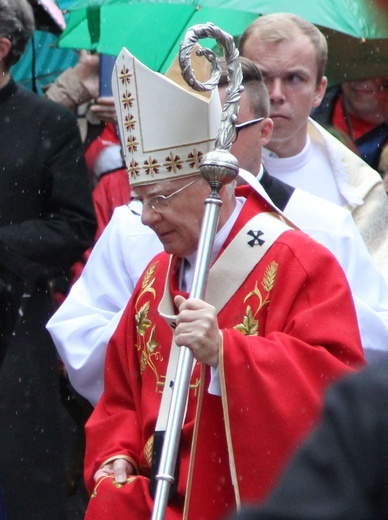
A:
(178, 223)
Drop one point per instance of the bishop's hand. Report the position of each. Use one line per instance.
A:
(197, 329)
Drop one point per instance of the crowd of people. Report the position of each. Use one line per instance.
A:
(98, 257)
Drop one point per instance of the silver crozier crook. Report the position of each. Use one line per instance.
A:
(219, 168)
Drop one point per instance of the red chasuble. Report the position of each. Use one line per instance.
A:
(289, 331)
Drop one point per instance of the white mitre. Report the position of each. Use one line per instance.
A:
(165, 126)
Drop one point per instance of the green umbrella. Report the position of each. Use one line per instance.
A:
(153, 29)
(42, 61)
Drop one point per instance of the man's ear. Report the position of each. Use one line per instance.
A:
(5, 47)
(266, 128)
(320, 92)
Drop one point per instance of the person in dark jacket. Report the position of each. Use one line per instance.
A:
(46, 222)
(341, 470)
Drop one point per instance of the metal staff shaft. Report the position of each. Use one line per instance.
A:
(218, 168)
(165, 476)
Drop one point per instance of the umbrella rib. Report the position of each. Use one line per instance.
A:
(93, 15)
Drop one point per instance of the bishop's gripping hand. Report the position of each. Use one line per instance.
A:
(197, 329)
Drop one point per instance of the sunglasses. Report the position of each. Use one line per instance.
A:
(247, 124)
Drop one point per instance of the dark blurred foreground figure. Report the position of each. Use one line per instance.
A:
(341, 471)
(46, 222)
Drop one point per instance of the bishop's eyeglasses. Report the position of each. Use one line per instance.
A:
(159, 203)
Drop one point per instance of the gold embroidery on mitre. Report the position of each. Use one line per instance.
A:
(173, 163)
(132, 143)
(250, 325)
(127, 100)
(130, 122)
(125, 76)
(147, 342)
(133, 169)
(194, 158)
(176, 156)
(151, 166)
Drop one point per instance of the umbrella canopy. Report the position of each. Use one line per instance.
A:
(357, 30)
(43, 61)
(151, 31)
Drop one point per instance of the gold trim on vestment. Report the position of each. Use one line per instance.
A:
(224, 401)
(189, 483)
